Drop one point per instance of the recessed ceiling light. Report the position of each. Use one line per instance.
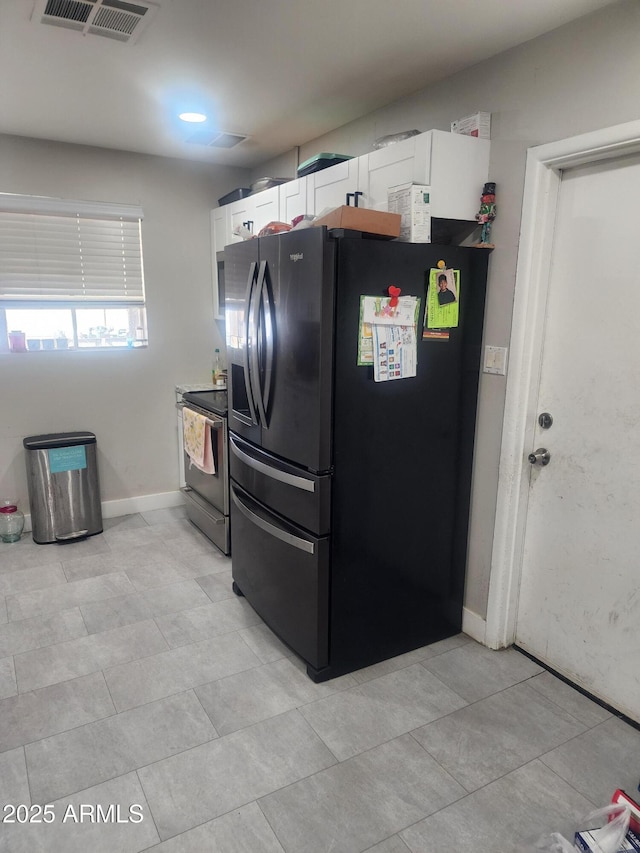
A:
(193, 117)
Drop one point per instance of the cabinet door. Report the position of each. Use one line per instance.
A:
(219, 239)
(405, 162)
(239, 213)
(266, 208)
(254, 212)
(459, 168)
(329, 187)
(293, 200)
(220, 221)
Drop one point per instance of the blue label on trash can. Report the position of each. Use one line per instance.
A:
(67, 458)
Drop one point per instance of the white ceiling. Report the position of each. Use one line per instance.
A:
(281, 71)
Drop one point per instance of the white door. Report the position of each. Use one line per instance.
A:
(579, 602)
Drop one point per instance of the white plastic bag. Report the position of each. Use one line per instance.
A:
(613, 823)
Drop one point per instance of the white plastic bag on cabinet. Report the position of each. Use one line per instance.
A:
(614, 820)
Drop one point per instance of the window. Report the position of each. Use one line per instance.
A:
(71, 275)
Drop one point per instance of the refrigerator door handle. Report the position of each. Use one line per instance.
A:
(260, 359)
(250, 343)
(272, 529)
(254, 355)
(274, 473)
(268, 316)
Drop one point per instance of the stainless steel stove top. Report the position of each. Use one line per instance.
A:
(211, 401)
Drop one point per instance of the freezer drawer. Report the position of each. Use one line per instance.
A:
(284, 574)
(295, 493)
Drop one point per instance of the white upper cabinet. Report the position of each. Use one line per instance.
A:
(219, 239)
(454, 166)
(254, 212)
(293, 200)
(329, 187)
(458, 169)
(401, 163)
(220, 220)
(238, 213)
(266, 208)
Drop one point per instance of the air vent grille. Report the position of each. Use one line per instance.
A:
(69, 10)
(114, 19)
(215, 138)
(71, 14)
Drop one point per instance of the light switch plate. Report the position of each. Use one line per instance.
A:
(495, 360)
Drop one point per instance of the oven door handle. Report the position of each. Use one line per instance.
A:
(214, 424)
(275, 473)
(272, 529)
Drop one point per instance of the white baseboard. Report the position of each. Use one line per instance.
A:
(129, 506)
(141, 503)
(473, 625)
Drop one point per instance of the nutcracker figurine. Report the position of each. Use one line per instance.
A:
(486, 215)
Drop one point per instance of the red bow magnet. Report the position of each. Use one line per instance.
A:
(394, 292)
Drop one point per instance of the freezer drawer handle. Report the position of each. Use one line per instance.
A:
(274, 473)
(289, 538)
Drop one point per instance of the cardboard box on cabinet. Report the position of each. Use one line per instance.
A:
(412, 202)
(478, 124)
(362, 219)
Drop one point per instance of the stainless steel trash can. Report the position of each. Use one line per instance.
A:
(64, 491)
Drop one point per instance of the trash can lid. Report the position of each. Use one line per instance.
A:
(58, 439)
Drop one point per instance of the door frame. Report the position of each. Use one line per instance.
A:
(543, 177)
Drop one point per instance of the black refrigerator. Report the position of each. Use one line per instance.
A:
(350, 497)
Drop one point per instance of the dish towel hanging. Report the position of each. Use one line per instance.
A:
(196, 438)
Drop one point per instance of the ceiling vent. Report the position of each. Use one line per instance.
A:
(215, 138)
(113, 19)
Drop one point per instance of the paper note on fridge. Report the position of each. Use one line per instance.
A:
(377, 310)
(443, 299)
(394, 352)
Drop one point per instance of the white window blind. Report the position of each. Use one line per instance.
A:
(59, 251)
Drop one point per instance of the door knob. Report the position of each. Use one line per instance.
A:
(540, 457)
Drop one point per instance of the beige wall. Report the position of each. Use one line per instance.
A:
(125, 397)
(581, 77)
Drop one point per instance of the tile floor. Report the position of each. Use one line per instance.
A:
(132, 678)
